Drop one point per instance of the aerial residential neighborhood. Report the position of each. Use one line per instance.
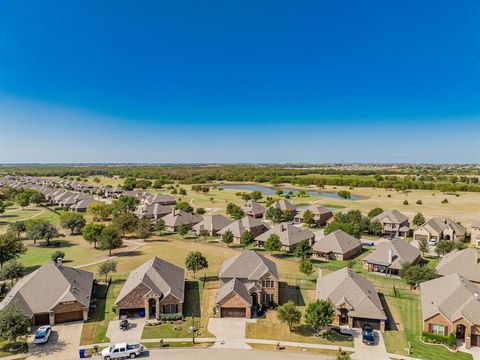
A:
(231, 180)
(207, 271)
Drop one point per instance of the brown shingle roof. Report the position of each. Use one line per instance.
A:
(466, 262)
(160, 276)
(338, 242)
(248, 264)
(289, 234)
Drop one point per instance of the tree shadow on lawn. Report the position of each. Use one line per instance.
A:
(291, 292)
(54, 244)
(128, 253)
(192, 299)
(303, 330)
(391, 324)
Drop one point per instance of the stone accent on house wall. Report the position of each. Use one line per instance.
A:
(134, 300)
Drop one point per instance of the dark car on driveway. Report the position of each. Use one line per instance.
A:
(368, 336)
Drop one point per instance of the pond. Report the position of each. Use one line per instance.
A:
(271, 191)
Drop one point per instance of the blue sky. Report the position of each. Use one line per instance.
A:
(239, 81)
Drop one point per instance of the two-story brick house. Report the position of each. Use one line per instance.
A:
(393, 222)
(246, 281)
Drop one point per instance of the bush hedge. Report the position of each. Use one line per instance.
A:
(448, 340)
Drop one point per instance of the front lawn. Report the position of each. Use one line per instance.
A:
(410, 312)
(272, 329)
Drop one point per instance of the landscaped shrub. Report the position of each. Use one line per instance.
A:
(445, 201)
(405, 202)
(419, 202)
(172, 317)
(448, 340)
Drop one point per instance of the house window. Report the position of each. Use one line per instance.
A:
(267, 298)
(438, 329)
(170, 308)
(268, 283)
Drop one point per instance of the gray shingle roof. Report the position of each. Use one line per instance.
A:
(466, 262)
(248, 264)
(252, 207)
(233, 286)
(177, 217)
(402, 253)
(212, 223)
(453, 296)
(391, 217)
(338, 242)
(438, 225)
(160, 276)
(345, 286)
(283, 204)
(238, 227)
(49, 285)
(289, 234)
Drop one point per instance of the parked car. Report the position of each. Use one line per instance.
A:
(122, 350)
(432, 242)
(42, 334)
(368, 336)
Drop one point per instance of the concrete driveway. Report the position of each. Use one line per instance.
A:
(132, 335)
(431, 249)
(230, 332)
(63, 343)
(369, 352)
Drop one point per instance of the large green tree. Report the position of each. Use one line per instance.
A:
(127, 222)
(92, 233)
(72, 221)
(234, 211)
(111, 238)
(319, 314)
(227, 237)
(273, 243)
(12, 270)
(125, 204)
(247, 238)
(196, 262)
(99, 210)
(10, 247)
(13, 323)
(39, 229)
(418, 220)
(144, 229)
(106, 268)
(289, 314)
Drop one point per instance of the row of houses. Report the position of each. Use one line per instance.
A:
(450, 304)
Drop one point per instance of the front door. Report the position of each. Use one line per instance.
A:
(152, 304)
(343, 316)
(460, 331)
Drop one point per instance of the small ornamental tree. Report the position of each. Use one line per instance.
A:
(106, 268)
(319, 314)
(275, 214)
(246, 239)
(182, 230)
(306, 267)
(13, 323)
(418, 220)
(159, 226)
(72, 221)
(92, 233)
(302, 250)
(111, 238)
(59, 254)
(227, 237)
(235, 211)
(204, 233)
(308, 218)
(196, 262)
(273, 243)
(289, 314)
(423, 246)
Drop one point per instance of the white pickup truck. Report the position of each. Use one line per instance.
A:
(122, 350)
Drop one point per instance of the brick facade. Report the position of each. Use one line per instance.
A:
(451, 327)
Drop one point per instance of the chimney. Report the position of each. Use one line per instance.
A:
(390, 256)
(59, 262)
